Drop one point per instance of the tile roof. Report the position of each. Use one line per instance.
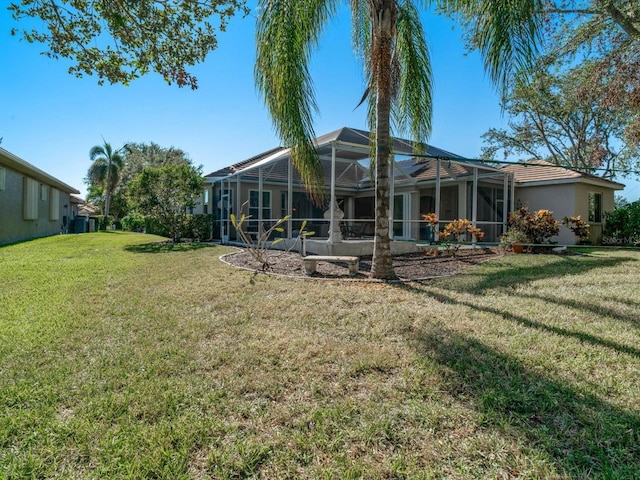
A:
(541, 171)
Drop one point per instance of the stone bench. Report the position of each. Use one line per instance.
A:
(311, 262)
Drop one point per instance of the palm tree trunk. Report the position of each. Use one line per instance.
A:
(383, 21)
(107, 201)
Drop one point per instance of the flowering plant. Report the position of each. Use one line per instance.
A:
(579, 227)
(538, 226)
(453, 231)
(430, 218)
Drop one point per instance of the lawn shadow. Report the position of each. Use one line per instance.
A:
(513, 276)
(530, 323)
(164, 247)
(598, 309)
(584, 436)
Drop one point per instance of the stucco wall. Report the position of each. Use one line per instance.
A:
(13, 227)
(582, 202)
(565, 201)
(560, 199)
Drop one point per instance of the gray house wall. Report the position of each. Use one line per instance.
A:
(50, 214)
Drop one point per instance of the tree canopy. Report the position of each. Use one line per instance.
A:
(105, 169)
(607, 34)
(167, 192)
(580, 105)
(122, 40)
(559, 116)
(135, 158)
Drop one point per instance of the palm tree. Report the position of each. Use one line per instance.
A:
(105, 170)
(389, 38)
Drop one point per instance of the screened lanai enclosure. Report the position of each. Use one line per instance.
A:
(267, 188)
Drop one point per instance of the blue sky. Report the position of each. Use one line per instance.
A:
(52, 119)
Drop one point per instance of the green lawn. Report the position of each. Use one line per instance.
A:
(123, 359)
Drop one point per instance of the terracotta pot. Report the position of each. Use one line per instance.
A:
(517, 247)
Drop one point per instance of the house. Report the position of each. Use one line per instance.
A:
(32, 202)
(540, 184)
(426, 179)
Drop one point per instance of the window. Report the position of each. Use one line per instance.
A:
(2, 178)
(44, 192)
(595, 207)
(254, 205)
(30, 200)
(54, 205)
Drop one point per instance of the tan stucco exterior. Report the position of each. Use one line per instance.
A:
(566, 200)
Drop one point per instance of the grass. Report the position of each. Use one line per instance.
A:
(122, 358)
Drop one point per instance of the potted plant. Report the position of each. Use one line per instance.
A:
(515, 239)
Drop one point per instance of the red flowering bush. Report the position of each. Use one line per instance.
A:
(538, 226)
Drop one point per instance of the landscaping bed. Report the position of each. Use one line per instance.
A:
(408, 267)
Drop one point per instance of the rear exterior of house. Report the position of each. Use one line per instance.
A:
(32, 202)
(425, 180)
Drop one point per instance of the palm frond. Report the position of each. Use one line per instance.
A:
(287, 31)
(413, 106)
(507, 32)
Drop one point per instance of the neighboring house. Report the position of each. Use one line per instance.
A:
(540, 184)
(32, 202)
(82, 208)
(425, 180)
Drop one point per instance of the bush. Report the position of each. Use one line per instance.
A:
(134, 222)
(104, 222)
(456, 232)
(154, 226)
(538, 226)
(579, 227)
(623, 225)
(197, 227)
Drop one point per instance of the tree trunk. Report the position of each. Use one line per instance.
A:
(107, 201)
(383, 22)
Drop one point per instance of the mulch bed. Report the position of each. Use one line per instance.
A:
(408, 267)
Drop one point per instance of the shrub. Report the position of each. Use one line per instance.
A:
(452, 234)
(134, 222)
(104, 222)
(538, 226)
(198, 227)
(195, 227)
(623, 224)
(259, 246)
(154, 226)
(432, 225)
(579, 227)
